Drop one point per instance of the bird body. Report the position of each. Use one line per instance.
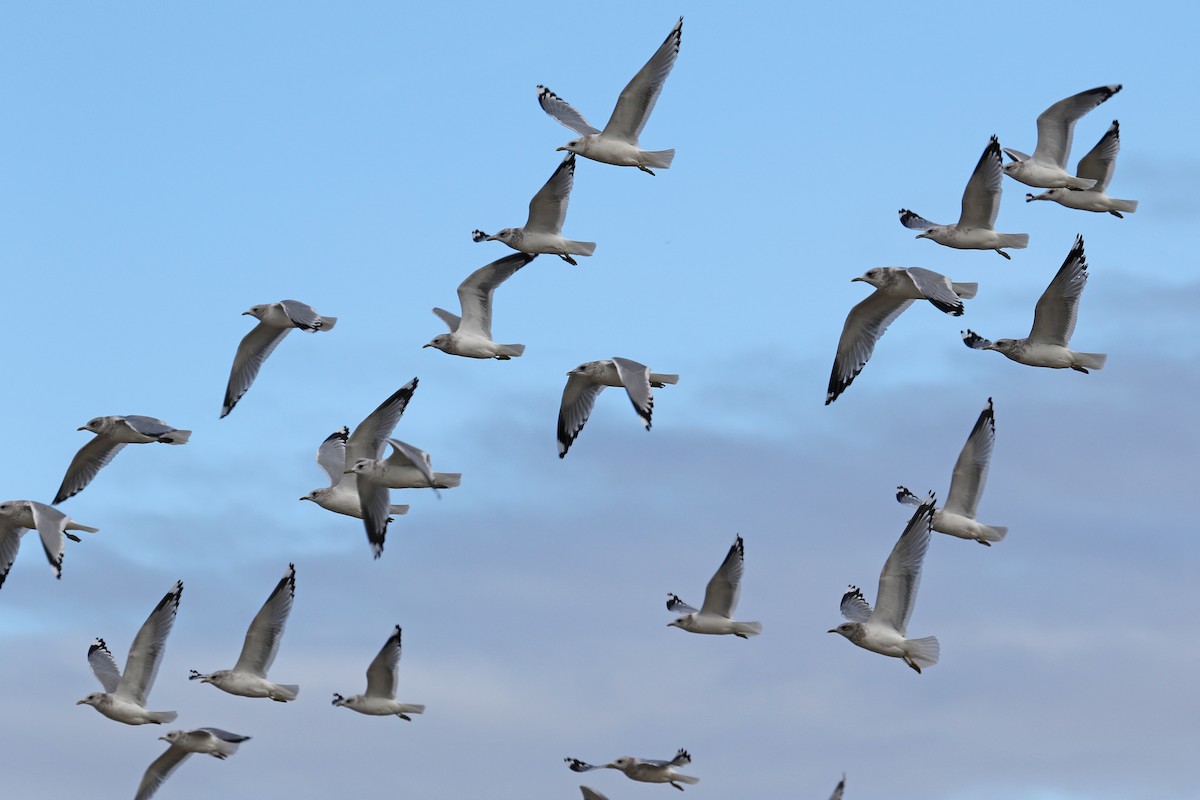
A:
(112, 434)
(471, 334)
(643, 769)
(584, 384)
(211, 741)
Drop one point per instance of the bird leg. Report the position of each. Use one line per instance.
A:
(1117, 214)
(912, 664)
(673, 783)
(643, 169)
(568, 259)
(1080, 369)
(1006, 255)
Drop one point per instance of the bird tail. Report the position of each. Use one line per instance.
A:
(1090, 360)
(1014, 240)
(75, 526)
(327, 323)
(660, 159)
(1128, 206)
(747, 629)
(446, 480)
(399, 511)
(579, 248)
(992, 533)
(159, 717)
(414, 708)
(506, 351)
(285, 692)
(925, 651)
(175, 437)
(688, 779)
(965, 290)
(658, 380)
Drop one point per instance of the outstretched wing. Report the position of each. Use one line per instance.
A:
(252, 352)
(640, 94)
(90, 459)
(1056, 125)
(381, 675)
(563, 112)
(865, 323)
(725, 586)
(579, 395)
(635, 378)
(970, 471)
(548, 208)
(159, 770)
(674, 604)
(981, 198)
(854, 606)
(901, 574)
(145, 654)
(104, 666)
(266, 629)
(1058, 307)
(475, 293)
(368, 437)
(1101, 160)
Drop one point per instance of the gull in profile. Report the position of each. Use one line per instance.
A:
(248, 677)
(124, 695)
(885, 629)
(1047, 167)
(471, 334)
(547, 212)
(275, 321)
(380, 697)
(895, 290)
(587, 380)
(644, 769)
(20, 516)
(975, 229)
(1053, 323)
(112, 433)
(720, 600)
(1098, 165)
(618, 142)
(342, 449)
(213, 741)
(957, 518)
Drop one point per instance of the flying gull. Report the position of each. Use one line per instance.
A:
(380, 698)
(342, 449)
(975, 229)
(1053, 323)
(587, 380)
(957, 518)
(406, 468)
(885, 629)
(19, 516)
(1098, 165)
(895, 290)
(471, 334)
(124, 695)
(112, 433)
(618, 142)
(720, 601)
(1047, 167)
(213, 741)
(644, 769)
(547, 212)
(248, 677)
(275, 321)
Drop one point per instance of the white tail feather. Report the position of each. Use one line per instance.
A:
(159, 717)
(580, 248)
(1090, 360)
(1128, 206)
(1014, 240)
(965, 290)
(925, 651)
(447, 480)
(660, 159)
(747, 628)
(992, 533)
(511, 350)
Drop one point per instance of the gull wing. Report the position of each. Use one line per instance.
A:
(635, 378)
(368, 437)
(253, 350)
(970, 471)
(901, 573)
(148, 426)
(146, 652)
(1057, 309)
(579, 395)
(974, 341)
(581, 766)
(563, 112)
(266, 629)
(51, 524)
(159, 770)
(548, 208)
(854, 606)
(641, 93)
(10, 544)
(405, 455)
(591, 794)
(981, 198)
(331, 455)
(475, 293)
(674, 604)
(104, 666)
(839, 789)
(1101, 161)
(907, 498)
(937, 289)
(452, 320)
(865, 323)
(725, 586)
(381, 675)
(374, 500)
(305, 317)
(914, 221)
(1056, 125)
(90, 459)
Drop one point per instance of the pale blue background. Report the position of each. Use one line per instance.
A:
(166, 166)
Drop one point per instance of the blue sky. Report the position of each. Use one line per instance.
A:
(167, 167)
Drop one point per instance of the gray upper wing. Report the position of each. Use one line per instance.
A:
(901, 574)
(475, 293)
(937, 289)
(381, 675)
(914, 221)
(641, 93)
(970, 471)
(145, 654)
(725, 586)
(1058, 307)
(405, 455)
(266, 629)
(635, 378)
(1101, 161)
(368, 437)
(981, 198)
(104, 666)
(1056, 125)
(854, 606)
(452, 320)
(548, 208)
(677, 606)
(563, 112)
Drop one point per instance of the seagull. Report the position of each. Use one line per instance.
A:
(644, 769)
(957, 518)
(341, 449)
(248, 677)
(471, 334)
(885, 629)
(1047, 167)
(1053, 323)
(112, 433)
(980, 204)
(406, 468)
(618, 142)
(587, 380)
(124, 695)
(1098, 165)
(214, 741)
(720, 600)
(547, 212)
(19, 516)
(895, 290)
(275, 321)
(380, 697)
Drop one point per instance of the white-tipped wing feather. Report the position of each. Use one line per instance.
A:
(563, 112)
(1101, 161)
(104, 666)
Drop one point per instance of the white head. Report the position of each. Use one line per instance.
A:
(580, 145)
(97, 424)
(94, 699)
(258, 312)
(623, 763)
(1049, 194)
(506, 235)
(876, 276)
(441, 342)
(173, 736)
(317, 494)
(363, 464)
